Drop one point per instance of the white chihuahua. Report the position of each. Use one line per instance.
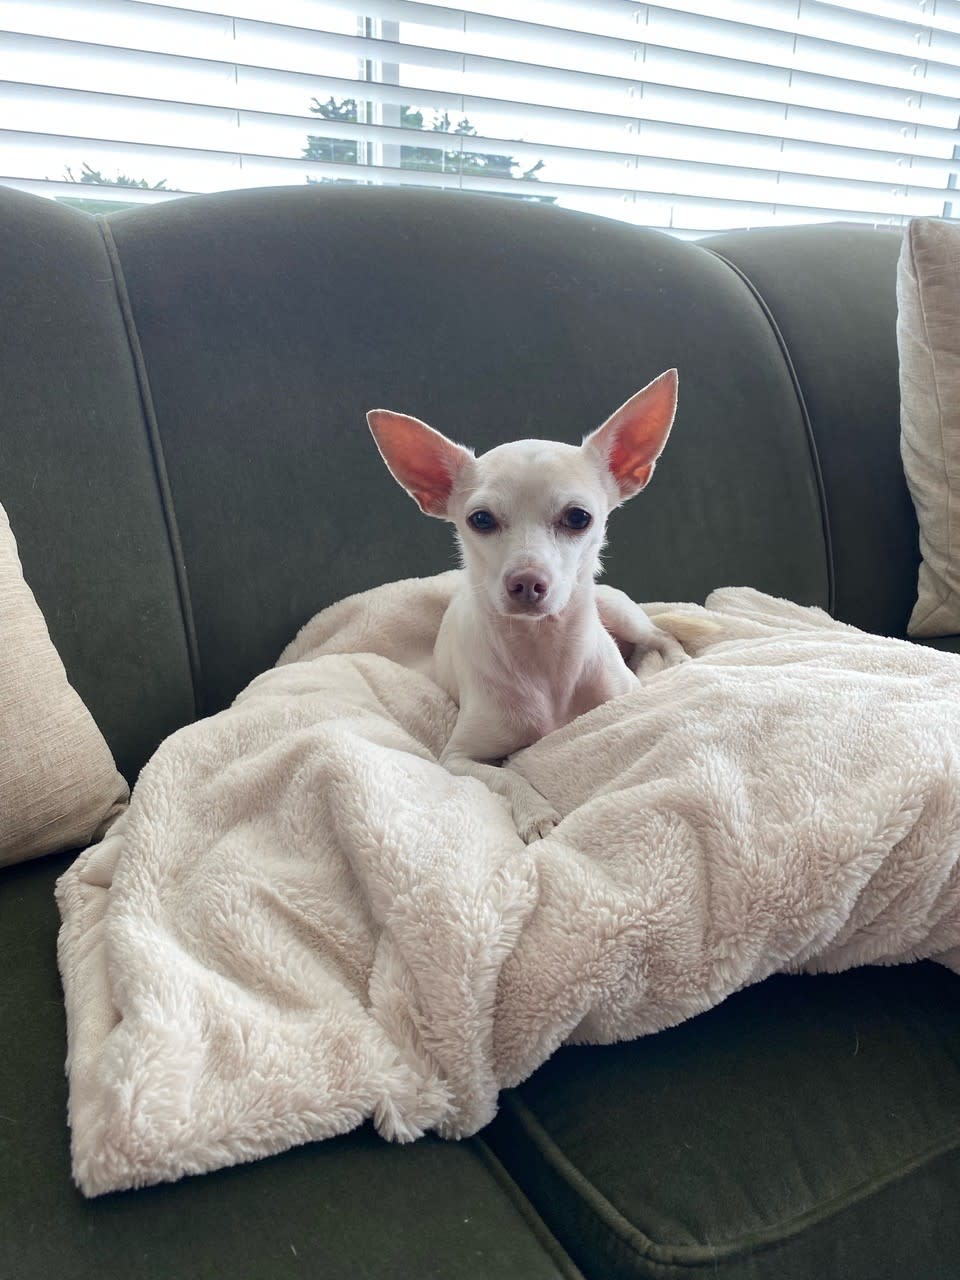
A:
(529, 641)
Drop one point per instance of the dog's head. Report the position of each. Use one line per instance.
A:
(531, 516)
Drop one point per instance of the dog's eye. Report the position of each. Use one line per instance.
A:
(577, 519)
(482, 521)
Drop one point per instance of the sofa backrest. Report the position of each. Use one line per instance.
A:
(190, 382)
(78, 477)
(831, 293)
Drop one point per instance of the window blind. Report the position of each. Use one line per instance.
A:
(690, 115)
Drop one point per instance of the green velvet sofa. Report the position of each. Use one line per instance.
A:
(184, 461)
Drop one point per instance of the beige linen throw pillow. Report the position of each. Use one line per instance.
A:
(928, 337)
(59, 787)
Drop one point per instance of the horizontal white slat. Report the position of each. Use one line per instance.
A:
(880, 24)
(941, 15)
(889, 26)
(887, 21)
(77, 191)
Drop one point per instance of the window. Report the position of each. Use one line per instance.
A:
(691, 115)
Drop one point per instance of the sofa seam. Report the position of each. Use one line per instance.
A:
(159, 462)
(527, 1210)
(807, 422)
(640, 1244)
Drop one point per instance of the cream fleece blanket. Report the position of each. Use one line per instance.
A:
(303, 921)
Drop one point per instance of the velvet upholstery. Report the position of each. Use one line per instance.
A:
(430, 1209)
(760, 1139)
(184, 457)
(831, 294)
(491, 320)
(78, 478)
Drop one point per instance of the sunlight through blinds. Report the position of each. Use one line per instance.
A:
(689, 115)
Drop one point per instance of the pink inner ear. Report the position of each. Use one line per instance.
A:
(628, 475)
(632, 439)
(422, 460)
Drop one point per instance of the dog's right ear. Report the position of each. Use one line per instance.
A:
(420, 459)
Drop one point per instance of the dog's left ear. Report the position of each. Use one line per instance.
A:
(632, 439)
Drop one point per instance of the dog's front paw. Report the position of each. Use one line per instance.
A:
(656, 652)
(535, 820)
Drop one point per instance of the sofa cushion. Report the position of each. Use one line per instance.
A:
(80, 480)
(492, 319)
(354, 1207)
(810, 1126)
(59, 786)
(928, 332)
(830, 292)
(949, 644)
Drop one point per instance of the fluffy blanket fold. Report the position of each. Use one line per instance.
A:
(302, 921)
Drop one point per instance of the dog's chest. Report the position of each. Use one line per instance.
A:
(514, 684)
(536, 703)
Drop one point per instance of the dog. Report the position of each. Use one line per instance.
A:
(529, 640)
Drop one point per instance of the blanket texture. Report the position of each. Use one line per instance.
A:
(303, 921)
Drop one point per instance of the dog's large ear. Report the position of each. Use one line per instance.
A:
(422, 460)
(632, 439)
